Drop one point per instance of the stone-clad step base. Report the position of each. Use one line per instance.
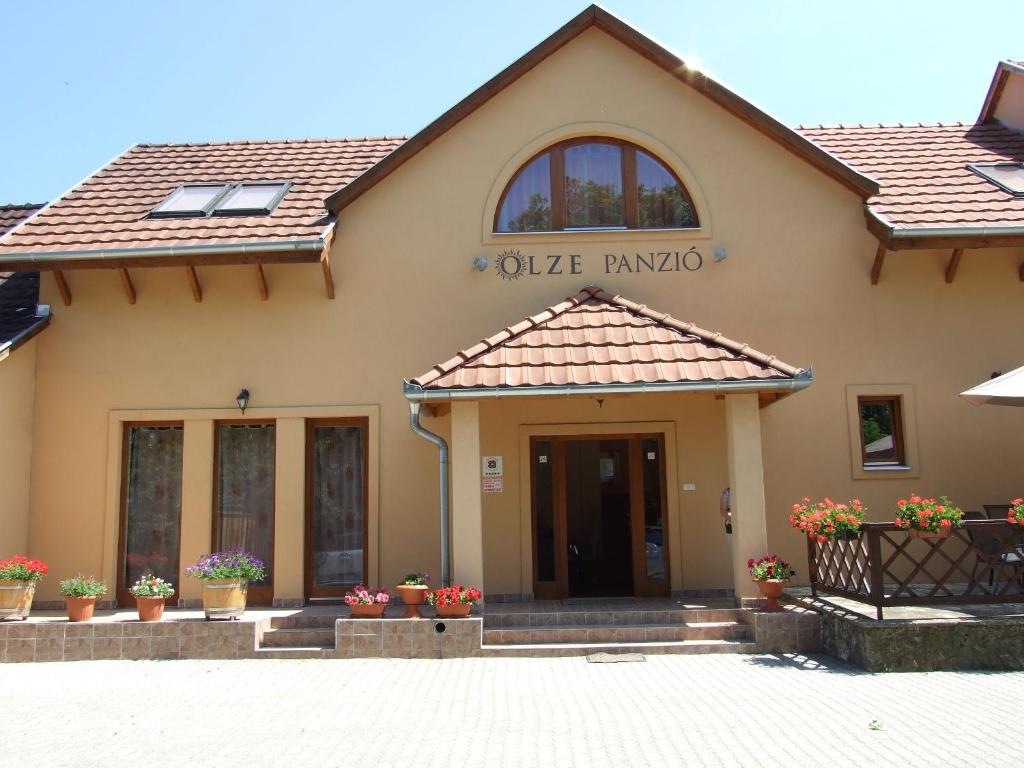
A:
(585, 649)
(299, 637)
(619, 633)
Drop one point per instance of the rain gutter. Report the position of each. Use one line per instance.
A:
(103, 254)
(42, 319)
(442, 446)
(415, 393)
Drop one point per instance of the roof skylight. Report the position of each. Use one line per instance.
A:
(251, 198)
(1006, 176)
(190, 200)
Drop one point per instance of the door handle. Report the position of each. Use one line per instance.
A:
(574, 549)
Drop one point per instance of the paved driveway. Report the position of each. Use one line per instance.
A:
(669, 710)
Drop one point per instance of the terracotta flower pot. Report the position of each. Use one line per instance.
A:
(150, 608)
(771, 591)
(413, 596)
(368, 610)
(16, 598)
(457, 611)
(942, 533)
(224, 598)
(80, 608)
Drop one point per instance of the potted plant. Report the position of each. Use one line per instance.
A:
(367, 603)
(455, 601)
(928, 518)
(225, 577)
(18, 577)
(1015, 514)
(80, 594)
(825, 519)
(413, 591)
(150, 593)
(771, 574)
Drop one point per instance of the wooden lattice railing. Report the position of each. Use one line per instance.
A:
(982, 562)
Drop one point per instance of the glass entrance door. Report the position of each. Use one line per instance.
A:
(336, 452)
(599, 516)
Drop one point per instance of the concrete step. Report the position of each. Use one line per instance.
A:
(619, 633)
(300, 637)
(585, 649)
(313, 652)
(504, 620)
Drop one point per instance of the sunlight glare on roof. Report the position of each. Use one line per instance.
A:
(190, 200)
(252, 198)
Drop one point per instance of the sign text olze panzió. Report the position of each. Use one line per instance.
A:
(514, 264)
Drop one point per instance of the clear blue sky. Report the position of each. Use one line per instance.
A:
(85, 80)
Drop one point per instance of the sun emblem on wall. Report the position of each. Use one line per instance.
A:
(510, 265)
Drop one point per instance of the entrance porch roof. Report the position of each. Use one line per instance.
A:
(597, 343)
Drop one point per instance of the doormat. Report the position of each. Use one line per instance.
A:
(613, 658)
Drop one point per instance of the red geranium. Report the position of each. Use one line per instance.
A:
(454, 595)
(920, 514)
(1016, 512)
(824, 520)
(20, 568)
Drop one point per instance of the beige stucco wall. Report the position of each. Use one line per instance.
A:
(1010, 109)
(794, 283)
(17, 393)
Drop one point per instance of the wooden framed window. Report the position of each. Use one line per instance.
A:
(243, 514)
(594, 184)
(881, 431)
(149, 538)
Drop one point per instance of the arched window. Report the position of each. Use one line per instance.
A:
(595, 183)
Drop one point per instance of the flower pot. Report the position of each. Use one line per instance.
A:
(150, 608)
(16, 598)
(942, 533)
(771, 591)
(368, 610)
(80, 608)
(224, 598)
(457, 611)
(413, 596)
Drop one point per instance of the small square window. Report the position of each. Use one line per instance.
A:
(190, 200)
(251, 199)
(881, 431)
(1006, 176)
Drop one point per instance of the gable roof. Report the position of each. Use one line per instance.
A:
(595, 340)
(927, 188)
(599, 18)
(105, 215)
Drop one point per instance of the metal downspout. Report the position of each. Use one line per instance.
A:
(442, 446)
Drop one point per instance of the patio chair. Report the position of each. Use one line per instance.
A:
(993, 551)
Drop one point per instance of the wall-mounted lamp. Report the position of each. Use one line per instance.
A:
(243, 400)
(480, 263)
(719, 253)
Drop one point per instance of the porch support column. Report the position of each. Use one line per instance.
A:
(290, 513)
(746, 479)
(467, 506)
(196, 503)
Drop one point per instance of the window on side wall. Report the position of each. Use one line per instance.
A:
(881, 432)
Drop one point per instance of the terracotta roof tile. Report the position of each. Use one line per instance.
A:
(597, 338)
(109, 209)
(922, 170)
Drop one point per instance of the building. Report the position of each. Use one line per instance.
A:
(246, 337)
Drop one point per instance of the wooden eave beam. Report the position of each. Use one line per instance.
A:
(63, 287)
(262, 282)
(325, 264)
(954, 264)
(193, 283)
(876, 267)
(129, 287)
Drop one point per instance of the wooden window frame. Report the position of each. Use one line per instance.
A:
(630, 198)
(121, 594)
(338, 592)
(263, 595)
(896, 407)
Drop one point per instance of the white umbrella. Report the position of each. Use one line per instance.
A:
(1007, 389)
